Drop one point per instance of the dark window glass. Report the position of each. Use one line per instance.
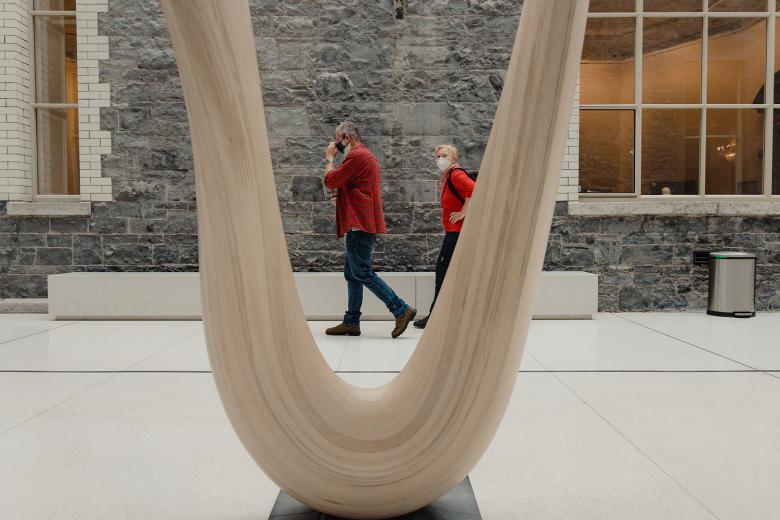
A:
(607, 69)
(735, 151)
(737, 5)
(607, 151)
(612, 6)
(671, 70)
(736, 61)
(670, 151)
(57, 132)
(663, 6)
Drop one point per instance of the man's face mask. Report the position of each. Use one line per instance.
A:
(340, 146)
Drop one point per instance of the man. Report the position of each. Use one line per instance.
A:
(359, 216)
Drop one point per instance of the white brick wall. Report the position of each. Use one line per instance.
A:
(16, 144)
(15, 99)
(93, 95)
(569, 188)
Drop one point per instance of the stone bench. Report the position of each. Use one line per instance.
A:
(158, 296)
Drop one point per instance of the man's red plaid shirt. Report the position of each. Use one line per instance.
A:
(359, 183)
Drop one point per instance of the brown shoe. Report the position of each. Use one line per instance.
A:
(344, 329)
(403, 322)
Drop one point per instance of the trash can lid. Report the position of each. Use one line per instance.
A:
(732, 255)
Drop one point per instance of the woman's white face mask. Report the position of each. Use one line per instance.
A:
(443, 163)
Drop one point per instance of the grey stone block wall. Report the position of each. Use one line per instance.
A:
(410, 84)
(646, 262)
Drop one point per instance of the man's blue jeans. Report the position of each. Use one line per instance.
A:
(358, 273)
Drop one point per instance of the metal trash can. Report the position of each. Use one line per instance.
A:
(732, 284)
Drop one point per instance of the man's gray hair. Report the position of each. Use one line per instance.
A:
(348, 127)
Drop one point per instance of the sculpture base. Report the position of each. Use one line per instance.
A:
(458, 504)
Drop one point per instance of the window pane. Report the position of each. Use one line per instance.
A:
(776, 155)
(777, 65)
(607, 70)
(670, 152)
(54, 5)
(58, 151)
(736, 66)
(56, 76)
(612, 6)
(607, 151)
(737, 5)
(735, 150)
(662, 6)
(672, 50)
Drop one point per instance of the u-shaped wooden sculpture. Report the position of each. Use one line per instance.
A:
(369, 453)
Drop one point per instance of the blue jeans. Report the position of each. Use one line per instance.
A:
(358, 273)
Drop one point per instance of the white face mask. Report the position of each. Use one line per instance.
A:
(443, 163)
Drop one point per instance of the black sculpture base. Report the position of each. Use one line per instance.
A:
(458, 504)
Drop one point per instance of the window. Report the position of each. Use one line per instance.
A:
(55, 98)
(673, 98)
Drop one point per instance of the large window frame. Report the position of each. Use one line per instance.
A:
(769, 106)
(36, 105)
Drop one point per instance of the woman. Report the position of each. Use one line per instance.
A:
(456, 188)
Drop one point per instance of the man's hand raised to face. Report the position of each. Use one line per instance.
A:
(330, 152)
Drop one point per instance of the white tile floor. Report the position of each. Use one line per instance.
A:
(630, 416)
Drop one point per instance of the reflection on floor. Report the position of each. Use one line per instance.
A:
(638, 416)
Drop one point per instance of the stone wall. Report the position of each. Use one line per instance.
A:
(433, 77)
(409, 84)
(645, 262)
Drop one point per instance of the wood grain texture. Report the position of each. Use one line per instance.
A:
(382, 452)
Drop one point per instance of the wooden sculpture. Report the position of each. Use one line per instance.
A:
(369, 453)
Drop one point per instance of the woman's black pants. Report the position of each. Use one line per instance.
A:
(443, 262)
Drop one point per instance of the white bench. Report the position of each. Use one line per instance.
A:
(168, 296)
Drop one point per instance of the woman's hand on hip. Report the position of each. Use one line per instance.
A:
(456, 216)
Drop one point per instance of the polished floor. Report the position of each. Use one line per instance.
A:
(629, 416)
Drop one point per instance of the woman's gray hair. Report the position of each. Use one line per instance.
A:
(348, 127)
